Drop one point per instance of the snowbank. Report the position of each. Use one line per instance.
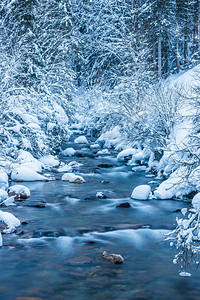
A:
(49, 161)
(26, 174)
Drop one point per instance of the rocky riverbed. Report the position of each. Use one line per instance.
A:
(56, 253)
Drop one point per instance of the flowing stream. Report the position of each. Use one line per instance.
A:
(58, 253)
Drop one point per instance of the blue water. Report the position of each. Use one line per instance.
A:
(69, 265)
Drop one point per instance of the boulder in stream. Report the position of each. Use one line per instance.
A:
(72, 178)
(141, 192)
(115, 259)
(124, 205)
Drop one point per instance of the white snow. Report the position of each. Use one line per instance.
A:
(26, 174)
(3, 195)
(126, 153)
(49, 161)
(111, 138)
(72, 177)
(100, 195)
(140, 156)
(10, 220)
(25, 158)
(141, 192)
(196, 202)
(64, 168)
(3, 180)
(34, 126)
(69, 152)
(103, 152)
(174, 186)
(95, 146)
(184, 274)
(81, 140)
(19, 189)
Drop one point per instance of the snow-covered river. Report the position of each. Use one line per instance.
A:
(58, 253)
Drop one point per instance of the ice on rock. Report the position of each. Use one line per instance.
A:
(26, 174)
(72, 177)
(9, 201)
(81, 140)
(19, 189)
(196, 201)
(3, 180)
(69, 152)
(10, 220)
(141, 192)
(126, 153)
(49, 161)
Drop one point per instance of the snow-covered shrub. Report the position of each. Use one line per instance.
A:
(186, 237)
(32, 122)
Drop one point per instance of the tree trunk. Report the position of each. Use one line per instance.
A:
(185, 36)
(195, 30)
(159, 57)
(177, 55)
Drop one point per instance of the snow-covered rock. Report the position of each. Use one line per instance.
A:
(95, 146)
(81, 140)
(3, 195)
(26, 174)
(19, 189)
(69, 152)
(75, 164)
(140, 156)
(140, 169)
(141, 192)
(103, 152)
(100, 195)
(126, 153)
(10, 220)
(3, 180)
(49, 161)
(196, 201)
(64, 168)
(72, 177)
